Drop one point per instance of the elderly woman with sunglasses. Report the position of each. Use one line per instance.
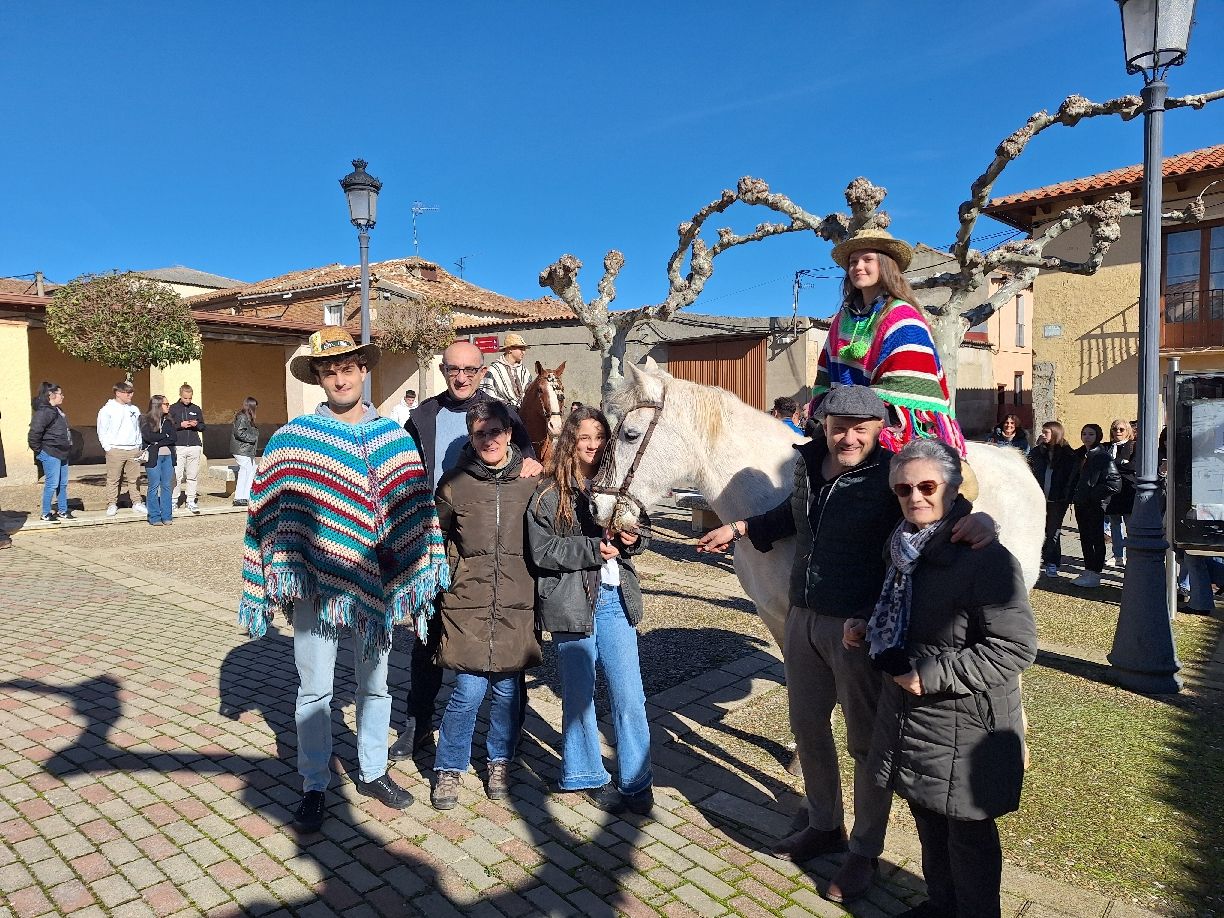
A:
(953, 631)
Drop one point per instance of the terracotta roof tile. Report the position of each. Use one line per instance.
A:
(1183, 164)
(23, 285)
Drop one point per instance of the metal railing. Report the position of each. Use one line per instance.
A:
(1192, 318)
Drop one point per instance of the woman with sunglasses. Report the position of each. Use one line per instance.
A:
(953, 630)
(589, 598)
(1122, 446)
(1097, 480)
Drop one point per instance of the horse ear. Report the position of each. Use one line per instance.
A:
(539, 368)
(649, 365)
(648, 382)
(559, 370)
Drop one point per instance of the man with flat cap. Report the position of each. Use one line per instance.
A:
(843, 511)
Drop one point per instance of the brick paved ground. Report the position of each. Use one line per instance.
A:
(146, 768)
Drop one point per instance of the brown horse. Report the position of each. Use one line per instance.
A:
(541, 410)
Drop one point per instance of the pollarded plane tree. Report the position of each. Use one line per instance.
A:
(1019, 261)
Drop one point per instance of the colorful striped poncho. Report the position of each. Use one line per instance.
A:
(344, 513)
(891, 350)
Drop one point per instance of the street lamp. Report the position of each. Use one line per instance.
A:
(362, 189)
(1155, 34)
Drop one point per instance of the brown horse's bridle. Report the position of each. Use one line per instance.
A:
(559, 389)
(624, 500)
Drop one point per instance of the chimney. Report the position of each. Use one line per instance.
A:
(38, 283)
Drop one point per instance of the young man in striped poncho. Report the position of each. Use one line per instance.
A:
(879, 338)
(342, 533)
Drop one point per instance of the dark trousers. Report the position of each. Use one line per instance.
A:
(962, 864)
(1051, 548)
(1090, 517)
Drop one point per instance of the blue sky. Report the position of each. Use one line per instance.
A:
(213, 134)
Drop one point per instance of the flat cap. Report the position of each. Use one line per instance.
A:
(852, 402)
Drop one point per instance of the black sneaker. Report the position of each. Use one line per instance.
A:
(641, 803)
(309, 815)
(49, 518)
(606, 798)
(386, 791)
(67, 515)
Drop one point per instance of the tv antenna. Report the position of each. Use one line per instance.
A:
(417, 209)
(461, 263)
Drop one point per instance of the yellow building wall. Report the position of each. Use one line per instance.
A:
(15, 460)
(394, 373)
(232, 370)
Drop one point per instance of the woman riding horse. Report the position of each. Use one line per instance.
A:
(880, 338)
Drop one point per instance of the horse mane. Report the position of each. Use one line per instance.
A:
(706, 406)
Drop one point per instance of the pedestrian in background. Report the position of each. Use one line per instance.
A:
(1096, 482)
(403, 408)
(119, 436)
(1053, 463)
(786, 410)
(159, 436)
(1010, 433)
(952, 631)
(188, 418)
(590, 600)
(244, 438)
(51, 441)
(489, 634)
(1122, 447)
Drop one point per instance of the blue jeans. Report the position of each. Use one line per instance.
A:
(614, 643)
(55, 478)
(315, 656)
(1197, 577)
(1116, 523)
(459, 720)
(161, 490)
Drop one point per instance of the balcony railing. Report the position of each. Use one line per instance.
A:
(1192, 318)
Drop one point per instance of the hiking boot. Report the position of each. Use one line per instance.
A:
(309, 815)
(445, 794)
(498, 785)
(808, 843)
(855, 877)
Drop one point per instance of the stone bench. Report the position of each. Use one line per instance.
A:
(704, 517)
(226, 473)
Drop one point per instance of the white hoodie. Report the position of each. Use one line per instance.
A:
(119, 426)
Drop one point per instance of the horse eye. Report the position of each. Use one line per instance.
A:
(632, 435)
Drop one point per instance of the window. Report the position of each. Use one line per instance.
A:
(1021, 336)
(1018, 389)
(1194, 275)
(333, 314)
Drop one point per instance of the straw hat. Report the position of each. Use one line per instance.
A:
(331, 341)
(875, 240)
(514, 339)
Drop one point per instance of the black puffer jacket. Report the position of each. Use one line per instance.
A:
(840, 524)
(958, 748)
(488, 614)
(1124, 457)
(157, 440)
(568, 561)
(1097, 478)
(1062, 461)
(49, 431)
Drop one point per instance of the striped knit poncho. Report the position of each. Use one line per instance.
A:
(330, 502)
(891, 350)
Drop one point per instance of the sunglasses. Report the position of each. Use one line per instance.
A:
(925, 488)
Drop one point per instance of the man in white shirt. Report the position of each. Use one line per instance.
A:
(402, 411)
(119, 434)
(506, 377)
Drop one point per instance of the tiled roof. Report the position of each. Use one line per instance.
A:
(1192, 163)
(181, 275)
(23, 285)
(415, 275)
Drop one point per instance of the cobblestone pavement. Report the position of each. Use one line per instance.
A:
(146, 768)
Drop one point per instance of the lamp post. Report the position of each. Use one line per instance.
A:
(362, 189)
(1155, 34)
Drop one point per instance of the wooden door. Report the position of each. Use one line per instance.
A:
(735, 364)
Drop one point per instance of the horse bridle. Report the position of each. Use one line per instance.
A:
(625, 500)
(558, 390)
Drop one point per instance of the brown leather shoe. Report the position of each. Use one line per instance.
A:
(809, 843)
(855, 877)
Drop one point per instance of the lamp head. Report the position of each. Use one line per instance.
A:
(361, 189)
(1156, 34)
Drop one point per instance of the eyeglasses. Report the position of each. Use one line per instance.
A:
(460, 371)
(925, 488)
(1126, 427)
(489, 434)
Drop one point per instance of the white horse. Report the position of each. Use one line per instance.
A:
(742, 462)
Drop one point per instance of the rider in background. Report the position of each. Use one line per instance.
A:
(880, 338)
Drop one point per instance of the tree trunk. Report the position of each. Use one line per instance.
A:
(614, 359)
(948, 331)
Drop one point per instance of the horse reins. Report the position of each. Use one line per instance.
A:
(623, 497)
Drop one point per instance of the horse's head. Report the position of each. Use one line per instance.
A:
(552, 391)
(653, 445)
